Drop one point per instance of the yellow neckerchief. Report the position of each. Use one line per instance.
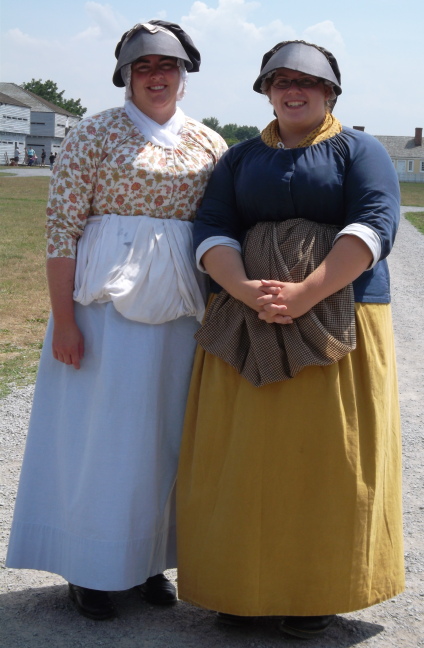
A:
(328, 128)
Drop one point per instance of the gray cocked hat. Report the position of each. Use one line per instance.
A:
(155, 37)
(302, 57)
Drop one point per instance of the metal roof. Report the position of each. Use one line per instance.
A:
(399, 146)
(36, 103)
(6, 99)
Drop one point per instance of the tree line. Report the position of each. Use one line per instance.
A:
(49, 91)
(232, 133)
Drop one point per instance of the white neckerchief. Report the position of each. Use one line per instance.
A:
(165, 135)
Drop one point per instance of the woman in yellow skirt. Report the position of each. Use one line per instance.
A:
(289, 485)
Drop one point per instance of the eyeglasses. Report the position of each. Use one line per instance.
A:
(304, 82)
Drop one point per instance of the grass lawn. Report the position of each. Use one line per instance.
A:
(24, 302)
(412, 194)
(417, 219)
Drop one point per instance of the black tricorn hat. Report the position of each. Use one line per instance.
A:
(150, 38)
(303, 57)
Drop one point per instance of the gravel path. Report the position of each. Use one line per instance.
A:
(35, 610)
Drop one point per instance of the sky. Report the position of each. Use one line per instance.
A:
(378, 44)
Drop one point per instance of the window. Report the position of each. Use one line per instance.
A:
(401, 165)
(422, 166)
(410, 165)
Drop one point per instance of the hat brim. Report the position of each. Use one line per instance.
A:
(144, 43)
(302, 58)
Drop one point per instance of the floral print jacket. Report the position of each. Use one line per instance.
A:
(106, 166)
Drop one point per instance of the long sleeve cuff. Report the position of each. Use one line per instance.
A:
(211, 242)
(368, 236)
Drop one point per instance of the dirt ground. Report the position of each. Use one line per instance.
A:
(35, 610)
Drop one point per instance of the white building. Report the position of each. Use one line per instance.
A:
(48, 123)
(406, 153)
(15, 124)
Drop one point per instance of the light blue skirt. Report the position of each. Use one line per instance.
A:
(96, 501)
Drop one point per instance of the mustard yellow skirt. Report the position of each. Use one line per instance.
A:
(289, 495)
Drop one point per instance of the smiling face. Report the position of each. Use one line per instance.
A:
(154, 81)
(299, 110)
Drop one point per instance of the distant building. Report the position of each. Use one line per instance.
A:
(15, 124)
(406, 153)
(45, 127)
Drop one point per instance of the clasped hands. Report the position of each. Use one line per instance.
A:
(282, 302)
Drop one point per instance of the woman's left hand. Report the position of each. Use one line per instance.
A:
(283, 302)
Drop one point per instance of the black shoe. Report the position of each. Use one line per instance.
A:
(158, 590)
(234, 620)
(307, 627)
(94, 604)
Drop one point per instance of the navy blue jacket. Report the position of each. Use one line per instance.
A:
(346, 179)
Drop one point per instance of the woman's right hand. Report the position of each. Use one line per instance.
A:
(225, 265)
(68, 344)
(252, 292)
(249, 292)
(68, 341)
